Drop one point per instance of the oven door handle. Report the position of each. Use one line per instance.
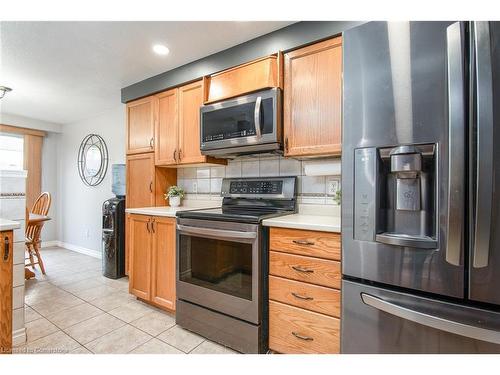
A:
(256, 117)
(216, 232)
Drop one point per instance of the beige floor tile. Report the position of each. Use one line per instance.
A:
(181, 339)
(39, 328)
(156, 346)
(94, 328)
(112, 301)
(120, 341)
(154, 323)
(131, 311)
(73, 315)
(54, 305)
(80, 285)
(81, 350)
(120, 284)
(55, 343)
(96, 292)
(30, 314)
(209, 347)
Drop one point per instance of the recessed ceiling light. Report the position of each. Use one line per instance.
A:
(160, 49)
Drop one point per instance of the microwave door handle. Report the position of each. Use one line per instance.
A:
(433, 321)
(484, 126)
(456, 142)
(216, 232)
(256, 117)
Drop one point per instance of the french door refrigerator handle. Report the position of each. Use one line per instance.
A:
(215, 232)
(432, 321)
(484, 126)
(456, 141)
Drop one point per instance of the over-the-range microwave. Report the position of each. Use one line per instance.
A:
(245, 125)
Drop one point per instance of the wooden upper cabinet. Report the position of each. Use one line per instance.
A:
(166, 128)
(190, 100)
(163, 262)
(313, 99)
(140, 180)
(139, 241)
(140, 125)
(256, 75)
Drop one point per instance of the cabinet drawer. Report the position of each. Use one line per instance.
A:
(301, 268)
(307, 296)
(305, 242)
(255, 75)
(295, 330)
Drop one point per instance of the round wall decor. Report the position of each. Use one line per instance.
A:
(92, 160)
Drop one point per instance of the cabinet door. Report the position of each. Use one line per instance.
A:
(313, 100)
(140, 125)
(6, 261)
(140, 180)
(163, 262)
(139, 245)
(190, 100)
(166, 134)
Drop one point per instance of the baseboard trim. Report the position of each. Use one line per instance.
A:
(75, 248)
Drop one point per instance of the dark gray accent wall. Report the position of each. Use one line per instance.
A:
(285, 39)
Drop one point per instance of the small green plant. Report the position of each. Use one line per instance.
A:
(338, 196)
(175, 191)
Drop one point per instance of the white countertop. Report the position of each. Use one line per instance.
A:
(171, 211)
(8, 225)
(310, 217)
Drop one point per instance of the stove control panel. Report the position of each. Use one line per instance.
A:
(256, 187)
(259, 187)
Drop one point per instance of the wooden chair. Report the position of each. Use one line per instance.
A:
(34, 229)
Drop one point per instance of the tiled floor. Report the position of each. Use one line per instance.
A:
(74, 309)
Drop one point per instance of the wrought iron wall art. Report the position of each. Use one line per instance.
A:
(92, 160)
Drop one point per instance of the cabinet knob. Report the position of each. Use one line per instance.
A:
(303, 242)
(151, 186)
(151, 143)
(175, 155)
(302, 269)
(302, 337)
(180, 154)
(153, 225)
(286, 144)
(305, 298)
(6, 249)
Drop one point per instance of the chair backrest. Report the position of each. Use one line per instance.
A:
(42, 204)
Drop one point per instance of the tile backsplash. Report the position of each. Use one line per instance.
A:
(205, 182)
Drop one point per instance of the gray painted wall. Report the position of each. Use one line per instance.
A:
(285, 39)
(80, 205)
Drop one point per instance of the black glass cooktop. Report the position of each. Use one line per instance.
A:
(241, 215)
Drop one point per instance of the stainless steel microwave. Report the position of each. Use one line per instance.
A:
(247, 124)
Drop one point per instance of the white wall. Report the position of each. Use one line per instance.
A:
(50, 181)
(80, 205)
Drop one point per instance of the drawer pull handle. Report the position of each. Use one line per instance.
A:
(6, 249)
(301, 269)
(305, 298)
(301, 337)
(303, 242)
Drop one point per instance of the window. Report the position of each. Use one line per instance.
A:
(11, 151)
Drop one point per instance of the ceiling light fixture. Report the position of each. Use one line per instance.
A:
(3, 90)
(161, 50)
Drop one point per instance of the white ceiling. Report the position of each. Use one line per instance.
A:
(63, 72)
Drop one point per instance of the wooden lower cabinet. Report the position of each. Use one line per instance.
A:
(294, 330)
(6, 264)
(304, 291)
(151, 244)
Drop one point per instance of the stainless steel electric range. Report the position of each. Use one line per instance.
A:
(222, 262)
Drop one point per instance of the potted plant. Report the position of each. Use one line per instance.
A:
(174, 195)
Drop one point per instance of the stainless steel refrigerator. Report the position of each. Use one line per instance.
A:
(421, 188)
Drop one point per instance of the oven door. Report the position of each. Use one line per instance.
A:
(219, 266)
(242, 122)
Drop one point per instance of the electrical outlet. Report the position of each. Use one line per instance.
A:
(333, 186)
(195, 187)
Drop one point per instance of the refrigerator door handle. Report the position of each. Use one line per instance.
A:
(432, 321)
(456, 141)
(484, 126)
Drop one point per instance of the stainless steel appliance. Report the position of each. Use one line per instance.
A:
(421, 188)
(247, 124)
(222, 262)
